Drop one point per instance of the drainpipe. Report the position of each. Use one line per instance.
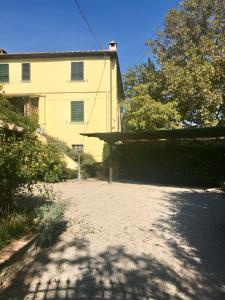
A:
(110, 163)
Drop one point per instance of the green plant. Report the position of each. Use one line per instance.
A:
(185, 79)
(23, 161)
(50, 221)
(61, 146)
(191, 163)
(8, 113)
(88, 166)
(13, 226)
(69, 174)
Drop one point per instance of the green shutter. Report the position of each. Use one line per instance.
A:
(26, 72)
(77, 111)
(77, 70)
(4, 73)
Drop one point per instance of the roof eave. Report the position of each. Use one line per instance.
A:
(67, 54)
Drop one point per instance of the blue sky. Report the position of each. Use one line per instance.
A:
(48, 25)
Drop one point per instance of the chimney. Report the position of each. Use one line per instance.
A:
(113, 46)
(2, 51)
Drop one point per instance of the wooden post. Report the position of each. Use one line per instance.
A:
(110, 163)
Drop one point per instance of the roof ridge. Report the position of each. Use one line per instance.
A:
(58, 51)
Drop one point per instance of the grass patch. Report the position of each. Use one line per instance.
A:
(43, 212)
(14, 226)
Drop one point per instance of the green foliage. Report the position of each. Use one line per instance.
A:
(144, 113)
(88, 166)
(184, 163)
(25, 160)
(88, 163)
(13, 226)
(52, 166)
(105, 160)
(50, 220)
(105, 152)
(61, 146)
(68, 174)
(190, 73)
(146, 107)
(9, 114)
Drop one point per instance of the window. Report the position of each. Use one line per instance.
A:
(77, 70)
(26, 72)
(77, 111)
(4, 73)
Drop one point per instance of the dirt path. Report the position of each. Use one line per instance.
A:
(129, 241)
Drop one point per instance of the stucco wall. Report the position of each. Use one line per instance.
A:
(50, 80)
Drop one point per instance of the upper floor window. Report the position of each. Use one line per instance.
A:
(4, 72)
(77, 70)
(26, 72)
(77, 111)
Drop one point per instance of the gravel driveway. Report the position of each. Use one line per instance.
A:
(132, 241)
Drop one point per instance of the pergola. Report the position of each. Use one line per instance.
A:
(207, 133)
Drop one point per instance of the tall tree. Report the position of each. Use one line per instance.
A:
(146, 106)
(190, 53)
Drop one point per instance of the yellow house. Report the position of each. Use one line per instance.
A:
(73, 92)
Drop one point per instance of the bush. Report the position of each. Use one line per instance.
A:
(50, 222)
(199, 163)
(61, 146)
(52, 164)
(69, 174)
(88, 166)
(23, 161)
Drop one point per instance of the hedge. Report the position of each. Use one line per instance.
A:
(200, 163)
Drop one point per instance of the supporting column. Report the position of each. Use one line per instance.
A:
(110, 163)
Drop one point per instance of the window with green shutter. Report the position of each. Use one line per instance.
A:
(77, 70)
(4, 73)
(25, 72)
(77, 111)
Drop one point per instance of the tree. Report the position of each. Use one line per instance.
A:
(144, 113)
(190, 55)
(146, 107)
(23, 159)
(191, 52)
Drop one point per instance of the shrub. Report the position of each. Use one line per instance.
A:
(190, 163)
(61, 146)
(88, 166)
(23, 161)
(69, 174)
(52, 164)
(50, 222)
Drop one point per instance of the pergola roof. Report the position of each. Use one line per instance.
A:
(156, 135)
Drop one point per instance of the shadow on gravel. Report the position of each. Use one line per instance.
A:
(197, 217)
(113, 274)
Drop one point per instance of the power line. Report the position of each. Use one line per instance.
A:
(103, 70)
(92, 109)
(88, 25)
(144, 46)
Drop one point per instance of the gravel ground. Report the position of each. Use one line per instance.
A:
(132, 241)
